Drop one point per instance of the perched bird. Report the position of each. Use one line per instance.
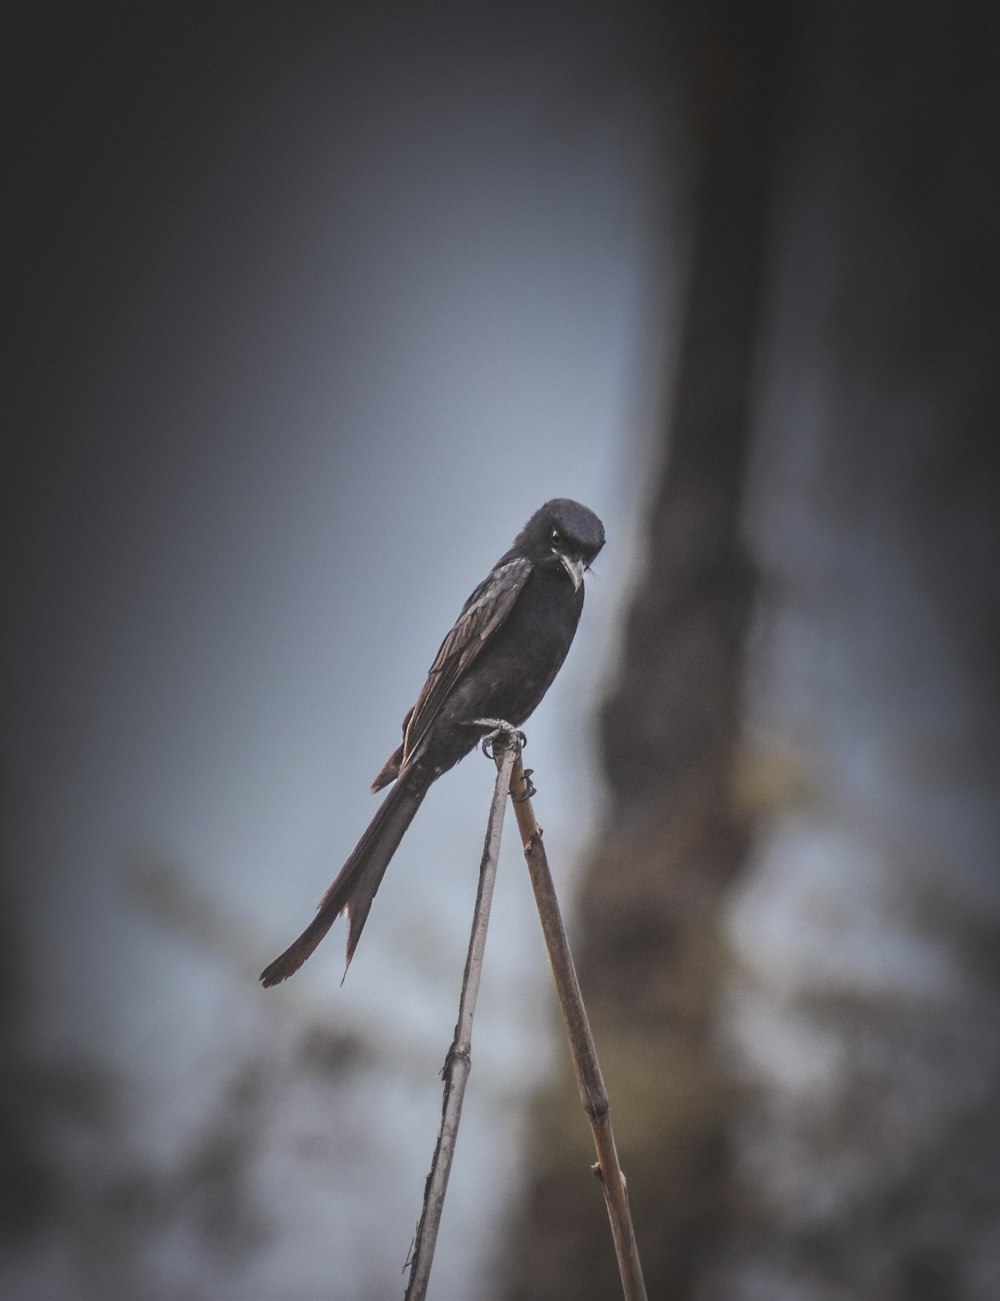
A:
(497, 663)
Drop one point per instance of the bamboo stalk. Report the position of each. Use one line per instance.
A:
(590, 1081)
(458, 1062)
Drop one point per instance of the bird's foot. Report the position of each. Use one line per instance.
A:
(498, 729)
(529, 788)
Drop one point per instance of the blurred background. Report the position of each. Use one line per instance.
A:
(312, 306)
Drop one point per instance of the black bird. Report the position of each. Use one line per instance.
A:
(497, 663)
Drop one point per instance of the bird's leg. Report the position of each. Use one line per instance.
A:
(499, 729)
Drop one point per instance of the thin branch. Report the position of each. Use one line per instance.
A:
(458, 1063)
(589, 1079)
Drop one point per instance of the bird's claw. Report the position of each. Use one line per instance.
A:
(499, 729)
(529, 788)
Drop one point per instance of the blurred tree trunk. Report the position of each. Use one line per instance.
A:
(847, 1147)
(864, 1013)
(649, 951)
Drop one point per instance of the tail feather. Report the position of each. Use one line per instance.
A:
(356, 884)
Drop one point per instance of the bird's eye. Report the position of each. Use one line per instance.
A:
(555, 537)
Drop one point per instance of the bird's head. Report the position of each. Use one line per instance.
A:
(562, 532)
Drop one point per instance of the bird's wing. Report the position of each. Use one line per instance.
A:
(484, 612)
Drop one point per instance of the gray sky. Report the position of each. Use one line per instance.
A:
(318, 318)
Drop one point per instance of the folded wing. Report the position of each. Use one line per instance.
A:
(484, 612)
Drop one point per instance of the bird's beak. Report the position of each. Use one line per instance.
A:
(575, 568)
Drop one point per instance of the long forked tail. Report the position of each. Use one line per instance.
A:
(356, 883)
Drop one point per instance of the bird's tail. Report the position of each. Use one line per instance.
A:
(356, 883)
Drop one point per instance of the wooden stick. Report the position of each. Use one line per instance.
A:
(458, 1063)
(586, 1066)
